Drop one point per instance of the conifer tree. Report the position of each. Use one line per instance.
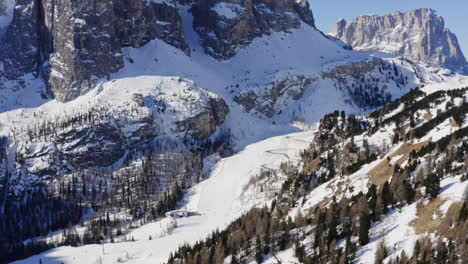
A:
(432, 184)
(364, 226)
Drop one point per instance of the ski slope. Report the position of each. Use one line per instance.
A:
(219, 200)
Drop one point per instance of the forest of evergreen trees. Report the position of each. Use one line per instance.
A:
(149, 183)
(315, 235)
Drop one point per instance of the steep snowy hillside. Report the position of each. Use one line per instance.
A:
(266, 86)
(390, 186)
(235, 189)
(216, 202)
(146, 114)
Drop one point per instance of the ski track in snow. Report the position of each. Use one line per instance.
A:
(217, 200)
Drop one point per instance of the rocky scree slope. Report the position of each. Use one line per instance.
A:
(419, 35)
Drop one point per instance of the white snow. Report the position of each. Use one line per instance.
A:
(452, 190)
(263, 142)
(286, 257)
(228, 10)
(217, 199)
(6, 15)
(180, 96)
(399, 235)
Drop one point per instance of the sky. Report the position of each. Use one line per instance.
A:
(454, 12)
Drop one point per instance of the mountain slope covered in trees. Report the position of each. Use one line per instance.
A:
(174, 117)
(391, 186)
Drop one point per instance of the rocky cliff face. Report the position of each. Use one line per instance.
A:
(419, 35)
(115, 124)
(72, 44)
(204, 124)
(226, 25)
(276, 95)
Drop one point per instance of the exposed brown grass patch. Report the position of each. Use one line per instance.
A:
(453, 123)
(337, 189)
(451, 217)
(311, 166)
(384, 170)
(424, 221)
(428, 116)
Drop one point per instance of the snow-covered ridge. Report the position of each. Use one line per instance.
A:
(98, 129)
(180, 97)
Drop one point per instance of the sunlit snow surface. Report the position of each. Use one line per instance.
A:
(217, 199)
(6, 13)
(260, 141)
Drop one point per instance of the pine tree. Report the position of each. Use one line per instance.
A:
(417, 249)
(219, 253)
(381, 252)
(432, 184)
(387, 197)
(403, 258)
(258, 251)
(364, 226)
(299, 252)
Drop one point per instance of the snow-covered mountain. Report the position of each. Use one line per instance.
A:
(116, 112)
(419, 35)
(388, 187)
(267, 83)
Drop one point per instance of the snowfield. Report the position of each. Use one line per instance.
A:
(217, 200)
(161, 71)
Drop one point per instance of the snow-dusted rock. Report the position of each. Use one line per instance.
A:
(97, 129)
(227, 25)
(419, 35)
(75, 49)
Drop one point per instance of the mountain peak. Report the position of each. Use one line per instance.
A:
(419, 35)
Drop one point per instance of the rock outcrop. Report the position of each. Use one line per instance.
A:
(276, 95)
(419, 35)
(113, 125)
(226, 25)
(204, 124)
(82, 44)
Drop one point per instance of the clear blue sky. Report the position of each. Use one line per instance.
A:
(455, 12)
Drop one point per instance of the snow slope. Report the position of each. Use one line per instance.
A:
(220, 198)
(302, 52)
(217, 200)
(182, 97)
(6, 13)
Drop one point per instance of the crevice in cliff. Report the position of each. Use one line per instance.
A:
(45, 34)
